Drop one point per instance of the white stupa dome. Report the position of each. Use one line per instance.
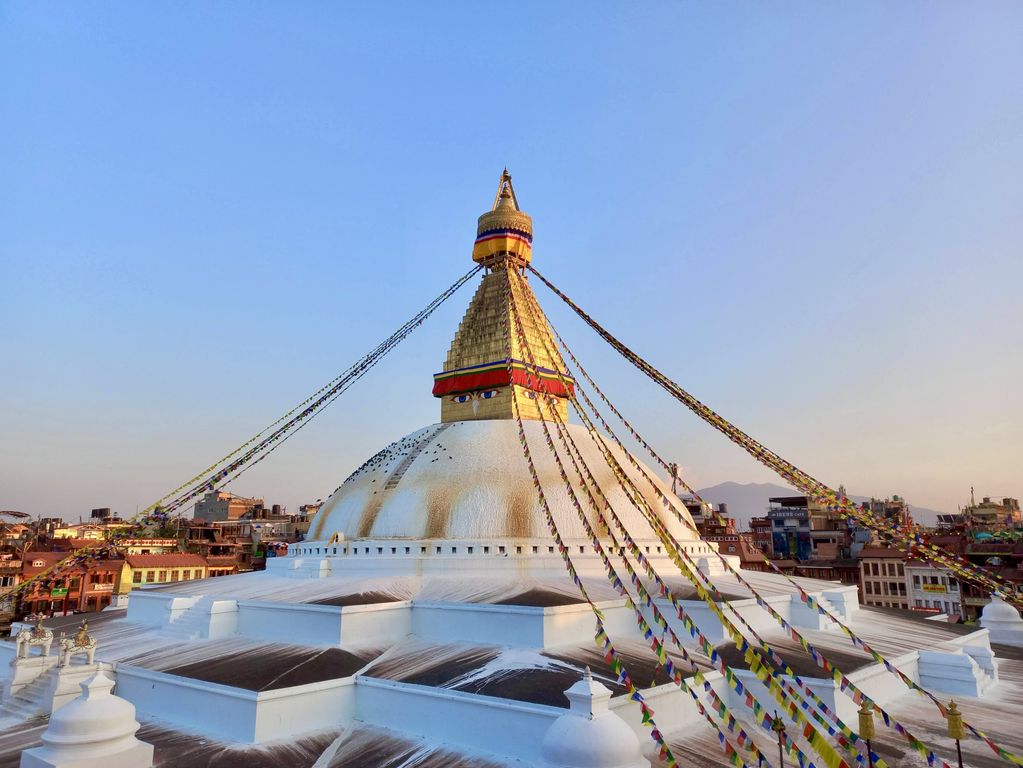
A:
(1000, 611)
(589, 735)
(470, 480)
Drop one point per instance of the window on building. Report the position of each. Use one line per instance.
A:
(163, 576)
(518, 550)
(438, 550)
(501, 550)
(550, 550)
(933, 579)
(916, 581)
(408, 550)
(953, 585)
(150, 577)
(868, 587)
(454, 550)
(535, 550)
(874, 570)
(186, 575)
(136, 577)
(901, 570)
(919, 603)
(394, 550)
(467, 549)
(486, 550)
(175, 575)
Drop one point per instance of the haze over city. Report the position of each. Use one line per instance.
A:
(208, 215)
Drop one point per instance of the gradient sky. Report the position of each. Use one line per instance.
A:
(809, 214)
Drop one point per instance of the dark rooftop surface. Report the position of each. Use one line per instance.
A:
(947, 629)
(540, 678)
(540, 598)
(265, 668)
(358, 598)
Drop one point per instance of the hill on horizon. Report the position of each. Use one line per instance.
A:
(746, 500)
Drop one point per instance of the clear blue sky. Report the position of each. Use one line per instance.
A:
(807, 213)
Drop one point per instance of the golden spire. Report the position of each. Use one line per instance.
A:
(505, 230)
(478, 380)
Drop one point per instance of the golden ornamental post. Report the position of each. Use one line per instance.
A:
(955, 728)
(778, 726)
(866, 714)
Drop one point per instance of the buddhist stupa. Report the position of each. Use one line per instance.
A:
(429, 619)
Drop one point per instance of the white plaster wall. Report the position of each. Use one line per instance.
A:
(479, 624)
(235, 714)
(513, 729)
(369, 624)
(290, 622)
(156, 609)
(304, 708)
(217, 710)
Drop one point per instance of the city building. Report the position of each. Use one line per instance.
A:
(89, 586)
(933, 589)
(790, 528)
(883, 578)
(990, 514)
(761, 536)
(143, 570)
(218, 506)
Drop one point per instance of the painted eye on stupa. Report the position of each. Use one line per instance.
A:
(488, 394)
(461, 398)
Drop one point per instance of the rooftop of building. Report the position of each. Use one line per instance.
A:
(166, 560)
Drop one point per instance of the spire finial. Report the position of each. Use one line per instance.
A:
(504, 229)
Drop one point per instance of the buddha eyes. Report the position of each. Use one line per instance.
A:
(486, 394)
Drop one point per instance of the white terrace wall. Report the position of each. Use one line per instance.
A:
(514, 729)
(524, 626)
(155, 609)
(233, 713)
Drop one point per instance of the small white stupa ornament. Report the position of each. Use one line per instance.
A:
(590, 735)
(1002, 621)
(96, 730)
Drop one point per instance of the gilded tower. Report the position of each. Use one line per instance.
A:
(479, 380)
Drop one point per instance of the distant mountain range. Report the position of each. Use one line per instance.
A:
(746, 500)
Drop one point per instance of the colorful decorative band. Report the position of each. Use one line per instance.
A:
(496, 375)
(502, 241)
(514, 234)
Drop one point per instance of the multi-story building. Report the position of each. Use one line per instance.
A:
(932, 589)
(140, 570)
(883, 578)
(86, 586)
(990, 515)
(220, 505)
(130, 546)
(760, 535)
(790, 528)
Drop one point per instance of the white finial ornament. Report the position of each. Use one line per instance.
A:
(96, 730)
(1002, 621)
(590, 735)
